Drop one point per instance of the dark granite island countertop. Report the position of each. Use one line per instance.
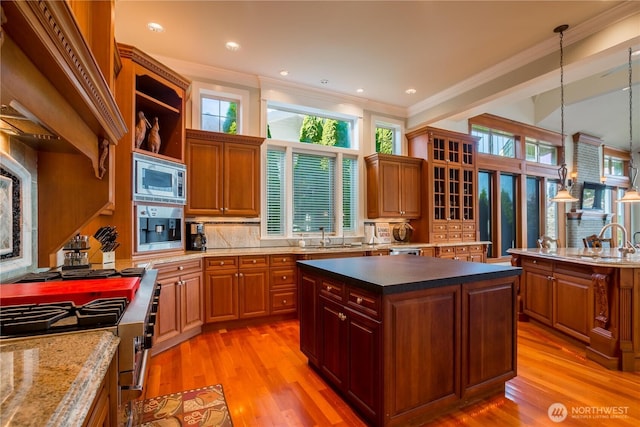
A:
(403, 273)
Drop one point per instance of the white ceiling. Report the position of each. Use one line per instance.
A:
(462, 57)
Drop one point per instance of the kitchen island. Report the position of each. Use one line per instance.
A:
(589, 294)
(59, 380)
(405, 338)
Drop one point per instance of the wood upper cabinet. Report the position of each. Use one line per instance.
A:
(393, 186)
(223, 174)
(451, 171)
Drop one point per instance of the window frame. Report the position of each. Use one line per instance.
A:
(396, 126)
(213, 91)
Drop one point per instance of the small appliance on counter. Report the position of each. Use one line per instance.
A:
(196, 240)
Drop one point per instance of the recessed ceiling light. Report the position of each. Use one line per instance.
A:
(284, 73)
(359, 90)
(324, 81)
(155, 27)
(232, 46)
(410, 91)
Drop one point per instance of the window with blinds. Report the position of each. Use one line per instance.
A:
(275, 192)
(313, 193)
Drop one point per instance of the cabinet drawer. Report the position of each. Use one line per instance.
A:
(332, 290)
(283, 301)
(468, 226)
(439, 237)
(219, 263)
(364, 302)
(439, 228)
(254, 261)
(462, 250)
(449, 250)
(179, 266)
(468, 236)
(454, 227)
(537, 263)
(476, 248)
(455, 235)
(277, 260)
(283, 277)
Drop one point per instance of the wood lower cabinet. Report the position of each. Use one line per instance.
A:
(104, 409)
(403, 358)
(180, 313)
(466, 252)
(559, 295)
(283, 285)
(223, 174)
(236, 288)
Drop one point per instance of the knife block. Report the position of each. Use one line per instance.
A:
(101, 259)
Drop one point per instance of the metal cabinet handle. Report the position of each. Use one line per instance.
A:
(284, 260)
(254, 261)
(342, 316)
(329, 288)
(284, 301)
(180, 268)
(241, 275)
(284, 277)
(221, 262)
(358, 300)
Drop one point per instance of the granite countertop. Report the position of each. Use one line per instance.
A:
(586, 256)
(278, 250)
(403, 273)
(52, 380)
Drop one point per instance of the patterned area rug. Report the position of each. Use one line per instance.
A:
(193, 408)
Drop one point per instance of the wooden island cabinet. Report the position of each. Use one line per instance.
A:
(406, 347)
(588, 294)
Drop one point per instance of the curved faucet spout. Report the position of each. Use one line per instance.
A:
(627, 248)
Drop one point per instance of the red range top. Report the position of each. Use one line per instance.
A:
(78, 291)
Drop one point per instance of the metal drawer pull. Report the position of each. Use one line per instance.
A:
(180, 268)
(359, 300)
(329, 288)
(284, 301)
(342, 316)
(254, 261)
(284, 277)
(221, 262)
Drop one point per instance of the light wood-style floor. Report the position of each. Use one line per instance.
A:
(267, 382)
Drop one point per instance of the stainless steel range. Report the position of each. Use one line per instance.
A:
(44, 303)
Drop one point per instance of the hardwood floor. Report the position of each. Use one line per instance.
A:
(267, 382)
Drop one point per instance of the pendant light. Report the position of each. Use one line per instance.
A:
(631, 195)
(563, 195)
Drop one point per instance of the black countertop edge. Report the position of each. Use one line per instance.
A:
(414, 285)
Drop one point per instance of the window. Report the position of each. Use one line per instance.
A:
(315, 201)
(552, 211)
(385, 140)
(492, 141)
(293, 124)
(219, 115)
(507, 213)
(540, 152)
(484, 208)
(533, 211)
(613, 166)
(219, 109)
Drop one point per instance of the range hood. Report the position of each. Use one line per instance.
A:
(54, 96)
(17, 121)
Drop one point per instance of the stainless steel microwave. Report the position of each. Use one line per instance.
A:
(158, 180)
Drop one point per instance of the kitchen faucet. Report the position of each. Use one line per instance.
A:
(627, 248)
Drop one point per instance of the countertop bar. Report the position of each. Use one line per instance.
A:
(586, 256)
(52, 380)
(402, 273)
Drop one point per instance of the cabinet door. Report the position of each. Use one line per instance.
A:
(168, 322)
(333, 341)
(221, 295)
(411, 176)
(204, 177)
(191, 301)
(537, 294)
(391, 189)
(254, 292)
(241, 180)
(573, 306)
(364, 350)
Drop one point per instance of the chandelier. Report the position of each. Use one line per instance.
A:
(631, 195)
(563, 195)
